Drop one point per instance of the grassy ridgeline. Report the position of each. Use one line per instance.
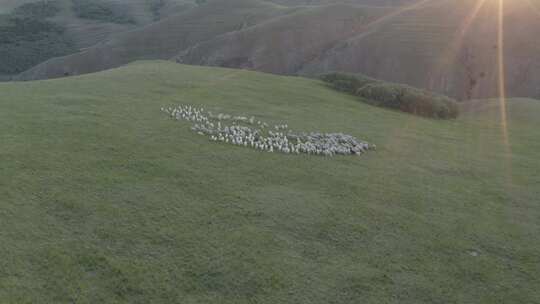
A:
(395, 96)
(104, 199)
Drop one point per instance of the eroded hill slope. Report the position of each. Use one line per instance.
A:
(160, 40)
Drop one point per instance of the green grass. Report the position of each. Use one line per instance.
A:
(104, 199)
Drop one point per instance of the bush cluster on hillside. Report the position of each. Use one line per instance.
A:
(37, 10)
(28, 38)
(155, 7)
(102, 10)
(395, 96)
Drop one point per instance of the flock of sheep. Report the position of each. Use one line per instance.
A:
(249, 132)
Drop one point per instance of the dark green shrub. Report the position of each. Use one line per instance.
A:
(155, 8)
(394, 96)
(101, 10)
(381, 94)
(347, 82)
(28, 38)
(37, 10)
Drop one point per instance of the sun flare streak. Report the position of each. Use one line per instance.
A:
(501, 76)
(396, 13)
(502, 94)
(467, 24)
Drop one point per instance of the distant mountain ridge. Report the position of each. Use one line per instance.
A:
(435, 45)
(160, 40)
(427, 47)
(32, 31)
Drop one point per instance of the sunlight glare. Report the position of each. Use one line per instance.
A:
(501, 72)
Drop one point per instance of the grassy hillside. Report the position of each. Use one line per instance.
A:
(87, 31)
(283, 45)
(91, 21)
(32, 32)
(440, 46)
(448, 48)
(104, 199)
(161, 40)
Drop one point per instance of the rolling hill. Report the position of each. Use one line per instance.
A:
(283, 45)
(89, 31)
(446, 46)
(28, 38)
(104, 199)
(160, 40)
(329, 2)
(437, 46)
